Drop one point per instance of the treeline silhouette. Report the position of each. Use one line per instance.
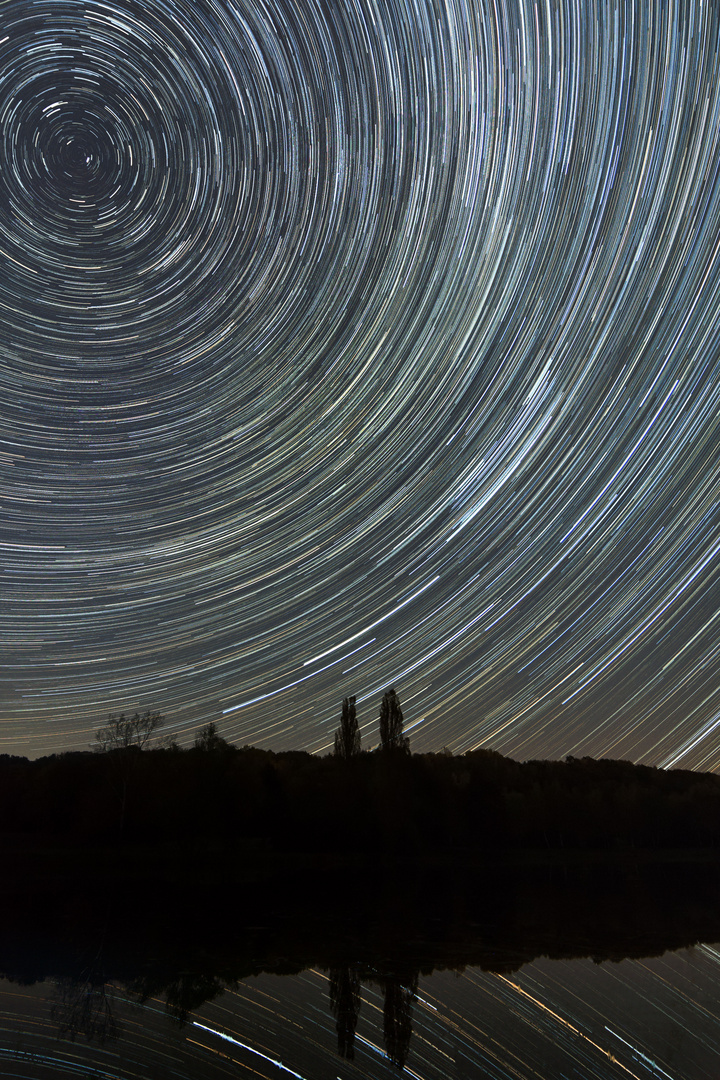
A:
(392, 802)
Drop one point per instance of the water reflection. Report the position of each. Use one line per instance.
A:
(397, 1018)
(85, 1007)
(399, 994)
(423, 988)
(553, 1019)
(345, 1005)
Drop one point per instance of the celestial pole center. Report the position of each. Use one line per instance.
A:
(355, 345)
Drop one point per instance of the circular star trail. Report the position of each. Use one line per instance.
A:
(347, 345)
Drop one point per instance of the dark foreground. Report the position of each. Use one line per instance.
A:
(396, 804)
(145, 925)
(150, 912)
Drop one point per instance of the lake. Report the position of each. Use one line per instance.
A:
(542, 973)
(552, 1019)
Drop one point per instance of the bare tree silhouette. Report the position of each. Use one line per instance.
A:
(85, 1007)
(122, 732)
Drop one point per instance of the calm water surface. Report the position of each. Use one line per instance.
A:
(652, 1018)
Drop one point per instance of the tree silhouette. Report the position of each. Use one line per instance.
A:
(397, 1018)
(209, 740)
(391, 724)
(188, 992)
(84, 1007)
(347, 738)
(122, 733)
(345, 1004)
(128, 734)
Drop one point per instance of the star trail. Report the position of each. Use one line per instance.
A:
(348, 345)
(652, 1019)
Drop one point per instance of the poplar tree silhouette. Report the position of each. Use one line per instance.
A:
(397, 1017)
(345, 1004)
(347, 738)
(391, 724)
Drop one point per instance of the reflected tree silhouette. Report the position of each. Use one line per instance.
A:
(184, 991)
(345, 1005)
(397, 1017)
(85, 1007)
(188, 992)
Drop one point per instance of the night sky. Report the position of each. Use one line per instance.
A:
(346, 345)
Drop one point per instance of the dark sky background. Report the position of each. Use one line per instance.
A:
(348, 345)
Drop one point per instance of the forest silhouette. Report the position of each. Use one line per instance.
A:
(239, 802)
(376, 867)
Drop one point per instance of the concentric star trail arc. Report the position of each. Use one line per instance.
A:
(348, 345)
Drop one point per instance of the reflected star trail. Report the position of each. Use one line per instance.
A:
(347, 345)
(633, 1020)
